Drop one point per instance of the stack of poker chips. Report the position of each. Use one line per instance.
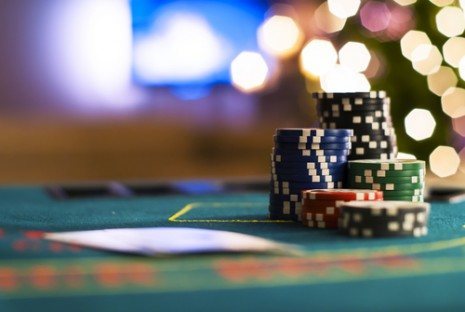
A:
(384, 219)
(368, 114)
(399, 179)
(320, 208)
(305, 158)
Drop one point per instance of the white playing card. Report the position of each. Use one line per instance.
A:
(158, 241)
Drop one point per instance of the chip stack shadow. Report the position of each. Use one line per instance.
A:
(302, 159)
(368, 114)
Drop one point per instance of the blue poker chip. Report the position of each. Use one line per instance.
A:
(296, 132)
(294, 198)
(298, 166)
(296, 187)
(280, 216)
(306, 152)
(313, 146)
(312, 139)
(307, 178)
(306, 159)
(309, 172)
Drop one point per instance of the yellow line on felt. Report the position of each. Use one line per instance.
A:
(189, 207)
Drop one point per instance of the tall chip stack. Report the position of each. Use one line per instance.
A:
(320, 208)
(368, 114)
(302, 159)
(399, 179)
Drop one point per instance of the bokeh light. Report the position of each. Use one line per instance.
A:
(401, 155)
(426, 59)
(454, 50)
(402, 19)
(442, 80)
(441, 3)
(375, 67)
(249, 71)
(355, 55)
(419, 124)
(450, 21)
(405, 2)
(343, 8)
(459, 126)
(444, 161)
(462, 68)
(317, 57)
(411, 40)
(375, 16)
(343, 79)
(280, 36)
(326, 21)
(453, 102)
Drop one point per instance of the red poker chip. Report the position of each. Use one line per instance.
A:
(321, 224)
(342, 194)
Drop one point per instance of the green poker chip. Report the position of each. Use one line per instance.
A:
(387, 165)
(397, 179)
(388, 186)
(413, 192)
(383, 173)
(417, 198)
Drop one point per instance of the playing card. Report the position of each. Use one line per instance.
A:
(166, 240)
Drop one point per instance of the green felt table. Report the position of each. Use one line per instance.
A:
(333, 273)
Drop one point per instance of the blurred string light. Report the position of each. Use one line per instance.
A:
(442, 80)
(450, 21)
(459, 127)
(452, 102)
(405, 2)
(249, 71)
(280, 36)
(441, 3)
(326, 21)
(96, 69)
(454, 50)
(411, 40)
(343, 8)
(317, 57)
(419, 130)
(462, 68)
(444, 161)
(426, 59)
(343, 79)
(355, 56)
(375, 16)
(375, 67)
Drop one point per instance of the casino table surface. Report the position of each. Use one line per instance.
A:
(333, 272)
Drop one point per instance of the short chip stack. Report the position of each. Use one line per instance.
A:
(399, 179)
(368, 114)
(305, 158)
(384, 219)
(320, 208)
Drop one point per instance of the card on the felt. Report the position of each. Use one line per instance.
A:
(166, 240)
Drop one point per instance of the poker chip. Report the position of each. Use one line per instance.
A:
(313, 146)
(394, 165)
(329, 95)
(384, 219)
(310, 132)
(322, 205)
(311, 152)
(311, 139)
(303, 159)
(342, 194)
(367, 114)
(399, 179)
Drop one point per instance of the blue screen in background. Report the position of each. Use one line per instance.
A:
(191, 42)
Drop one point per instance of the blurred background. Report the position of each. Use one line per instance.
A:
(154, 89)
